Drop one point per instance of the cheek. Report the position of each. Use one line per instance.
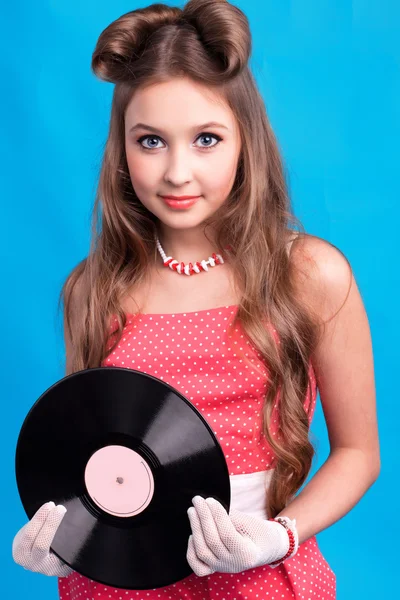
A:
(221, 173)
(142, 172)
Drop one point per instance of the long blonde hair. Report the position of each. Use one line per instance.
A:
(207, 41)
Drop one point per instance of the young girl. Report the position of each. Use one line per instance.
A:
(218, 296)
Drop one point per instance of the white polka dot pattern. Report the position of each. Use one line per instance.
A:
(191, 352)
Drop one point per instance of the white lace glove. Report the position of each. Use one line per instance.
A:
(31, 545)
(232, 543)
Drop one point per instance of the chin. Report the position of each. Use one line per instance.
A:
(183, 218)
(181, 224)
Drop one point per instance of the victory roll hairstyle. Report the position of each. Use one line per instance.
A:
(208, 41)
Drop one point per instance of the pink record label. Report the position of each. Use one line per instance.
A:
(119, 481)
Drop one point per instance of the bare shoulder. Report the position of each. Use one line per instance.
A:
(323, 274)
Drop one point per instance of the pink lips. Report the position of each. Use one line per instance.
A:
(180, 202)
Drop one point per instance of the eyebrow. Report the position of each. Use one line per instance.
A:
(195, 128)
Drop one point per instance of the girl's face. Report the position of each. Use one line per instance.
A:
(181, 139)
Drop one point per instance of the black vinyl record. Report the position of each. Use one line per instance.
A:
(125, 453)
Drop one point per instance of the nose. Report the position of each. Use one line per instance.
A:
(178, 170)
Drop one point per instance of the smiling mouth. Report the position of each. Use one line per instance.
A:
(179, 204)
(180, 197)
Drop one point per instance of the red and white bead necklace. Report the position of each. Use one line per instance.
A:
(182, 269)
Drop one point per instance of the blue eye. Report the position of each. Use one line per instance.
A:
(210, 135)
(157, 138)
(147, 137)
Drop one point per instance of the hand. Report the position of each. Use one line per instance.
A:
(31, 545)
(231, 543)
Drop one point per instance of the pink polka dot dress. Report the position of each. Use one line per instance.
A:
(192, 352)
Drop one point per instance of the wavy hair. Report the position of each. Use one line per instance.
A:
(207, 41)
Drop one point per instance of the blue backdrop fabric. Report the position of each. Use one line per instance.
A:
(329, 74)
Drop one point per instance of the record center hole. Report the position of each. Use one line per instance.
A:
(120, 480)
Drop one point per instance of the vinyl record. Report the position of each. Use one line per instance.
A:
(125, 453)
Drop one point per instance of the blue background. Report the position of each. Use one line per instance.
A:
(329, 75)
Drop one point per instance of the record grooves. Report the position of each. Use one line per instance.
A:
(125, 453)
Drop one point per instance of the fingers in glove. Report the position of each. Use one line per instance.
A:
(31, 530)
(197, 566)
(211, 532)
(57, 566)
(202, 550)
(226, 530)
(250, 527)
(41, 546)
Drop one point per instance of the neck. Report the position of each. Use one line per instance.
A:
(186, 246)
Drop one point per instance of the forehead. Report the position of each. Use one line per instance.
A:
(178, 102)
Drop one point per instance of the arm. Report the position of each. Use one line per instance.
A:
(343, 363)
